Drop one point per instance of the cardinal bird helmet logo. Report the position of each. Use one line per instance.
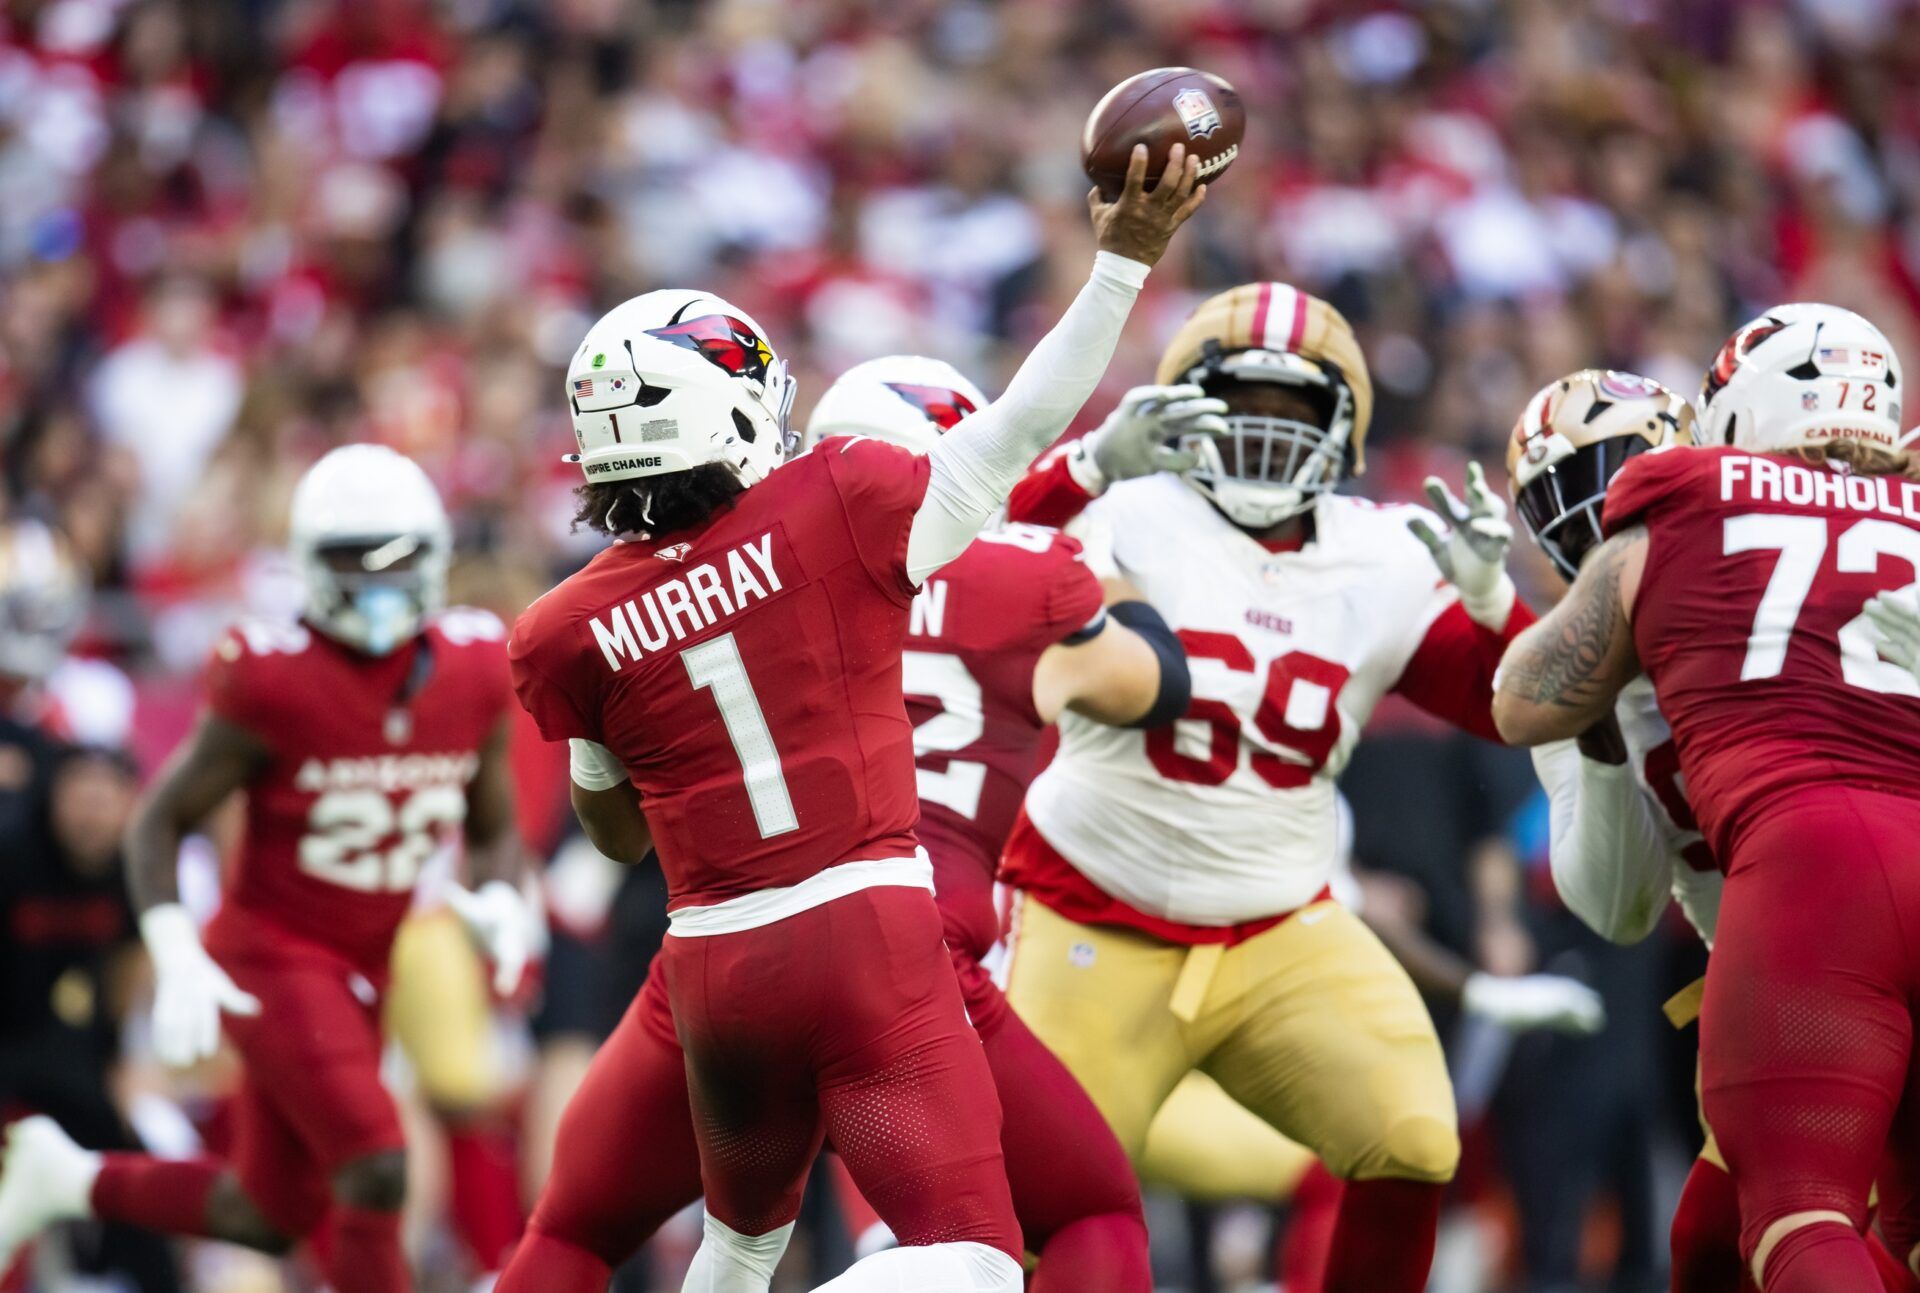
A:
(943, 407)
(722, 340)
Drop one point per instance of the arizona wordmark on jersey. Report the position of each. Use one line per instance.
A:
(1228, 815)
(370, 760)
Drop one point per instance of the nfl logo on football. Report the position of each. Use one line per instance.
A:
(1197, 112)
(1809, 400)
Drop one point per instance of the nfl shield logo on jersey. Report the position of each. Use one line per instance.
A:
(1197, 112)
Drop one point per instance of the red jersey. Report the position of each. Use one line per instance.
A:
(1749, 623)
(978, 629)
(748, 674)
(371, 759)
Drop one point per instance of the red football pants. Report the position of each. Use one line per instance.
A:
(842, 1021)
(626, 1159)
(1807, 1027)
(311, 1100)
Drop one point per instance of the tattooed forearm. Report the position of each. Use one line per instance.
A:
(1560, 665)
(1563, 673)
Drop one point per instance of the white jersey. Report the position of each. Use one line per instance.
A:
(1620, 848)
(1229, 814)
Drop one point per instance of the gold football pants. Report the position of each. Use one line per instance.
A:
(1312, 1027)
(439, 1011)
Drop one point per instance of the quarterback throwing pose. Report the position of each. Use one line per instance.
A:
(1744, 578)
(1173, 903)
(367, 736)
(1000, 640)
(731, 674)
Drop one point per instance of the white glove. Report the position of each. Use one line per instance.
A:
(1535, 1001)
(190, 989)
(1894, 627)
(505, 925)
(1473, 555)
(1142, 436)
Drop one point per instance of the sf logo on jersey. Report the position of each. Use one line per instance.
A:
(721, 340)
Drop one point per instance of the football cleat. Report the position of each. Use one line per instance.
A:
(44, 1178)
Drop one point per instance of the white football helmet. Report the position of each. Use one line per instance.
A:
(43, 598)
(1803, 376)
(908, 400)
(373, 545)
(674, 380)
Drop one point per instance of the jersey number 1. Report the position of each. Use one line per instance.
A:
(716, 666)
(1801, 542)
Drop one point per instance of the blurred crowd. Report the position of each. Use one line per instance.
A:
(235, 233)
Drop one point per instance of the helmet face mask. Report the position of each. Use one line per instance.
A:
(373, 546)
(43, 599)
(1248, 345)
(1269, 468)
(1573, 437)
(1561, 507)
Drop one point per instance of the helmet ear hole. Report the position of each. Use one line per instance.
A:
(743, 426)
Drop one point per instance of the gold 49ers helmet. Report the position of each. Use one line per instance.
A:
(1570, 440)
(1266, 469)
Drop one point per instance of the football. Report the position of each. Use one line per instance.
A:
(1161, 108)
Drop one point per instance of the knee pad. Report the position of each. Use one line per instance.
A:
(1412, 1149)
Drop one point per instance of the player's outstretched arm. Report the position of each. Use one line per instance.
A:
(1472, 556)
(1561, 676)
(974, 466)
(190, 989)
(1131, 673)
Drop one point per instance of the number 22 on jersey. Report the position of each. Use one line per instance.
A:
(1802, 543)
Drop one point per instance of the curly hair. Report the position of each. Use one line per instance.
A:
(1861, 458)
(657, 505)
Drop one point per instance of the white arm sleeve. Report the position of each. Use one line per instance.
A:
(1610, 857)
(977, 464)
(593, 766)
